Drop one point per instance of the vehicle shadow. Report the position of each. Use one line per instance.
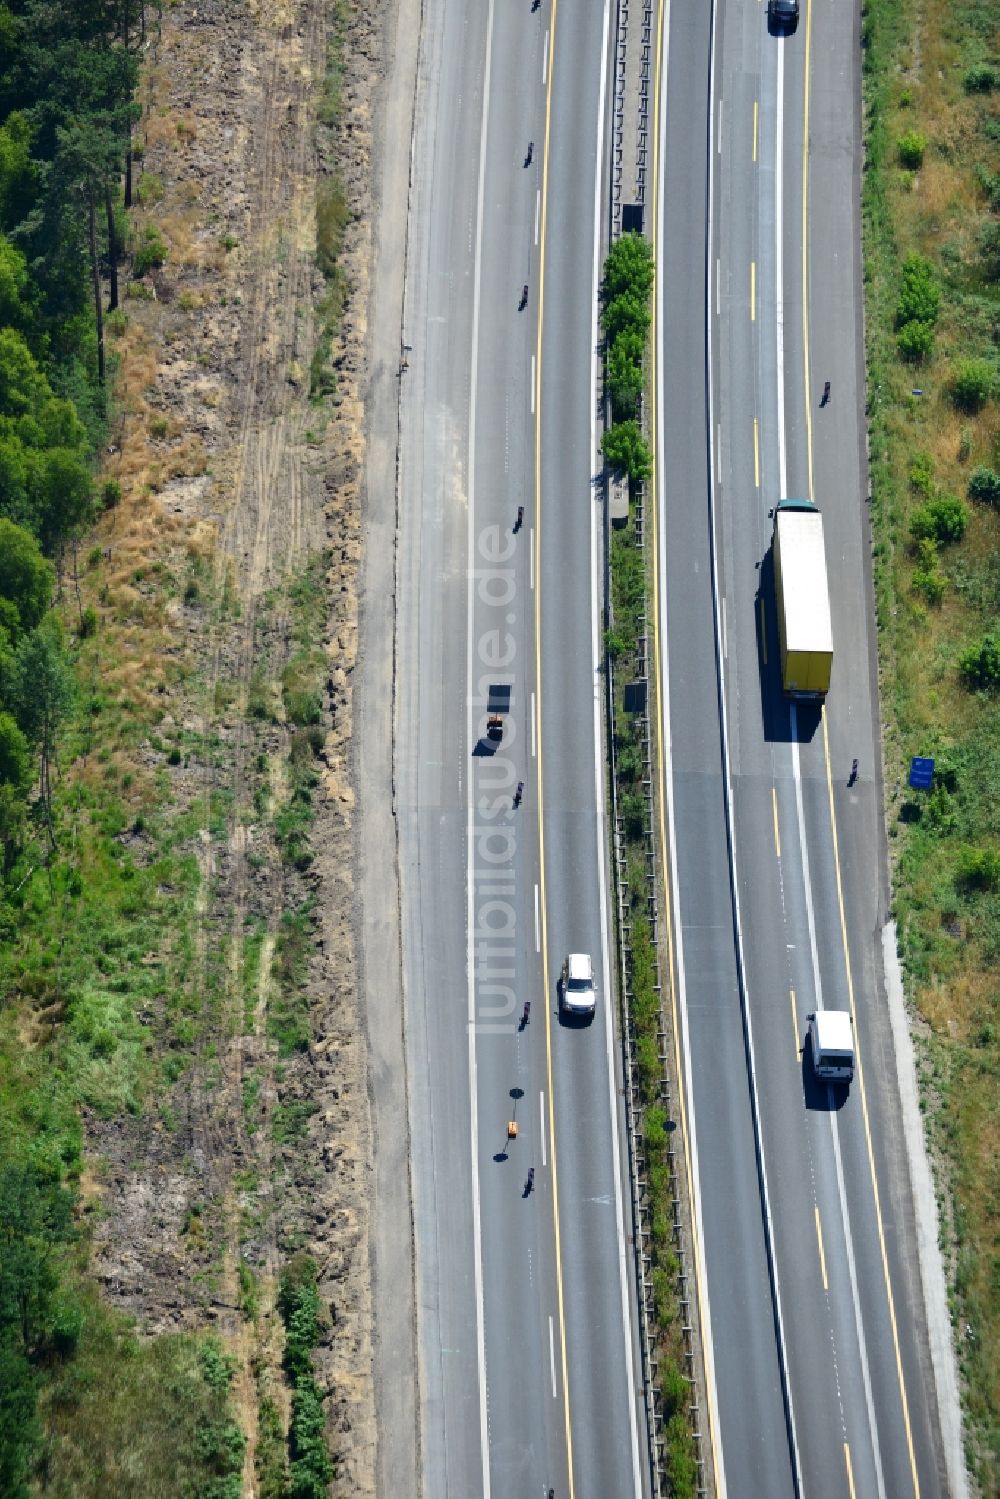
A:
(776, 713)
(570, 1021)
(820, 1096)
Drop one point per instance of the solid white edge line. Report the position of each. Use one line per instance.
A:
(734, 883)
(477, 1230)
(545, 57)
(541, 1110)
(708, 1350)
(779, 267)
(845, 1214)
(596, 553)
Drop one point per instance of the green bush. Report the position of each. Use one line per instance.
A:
(984, 486)
(628, 268)
(915, 341)
(626, 314)
(928, 579)
(989, 248)
(911, 148)
(981, 78)
(943, 520)
(625, 374)
(624, 447)
(979, 666)
(922, 474)
(979, 869)
(972, 385)
(151, 250)
(919, 292)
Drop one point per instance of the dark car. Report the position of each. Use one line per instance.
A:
(783, 14)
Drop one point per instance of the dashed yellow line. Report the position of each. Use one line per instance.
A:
(546, 987)
(850, 1470)
(822, 1256)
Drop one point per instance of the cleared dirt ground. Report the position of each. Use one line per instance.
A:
(226, 464)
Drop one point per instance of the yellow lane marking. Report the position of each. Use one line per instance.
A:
(850, 1470)
(708, 1353)
(546, 988)
(763, 629)
(756, 110)
(795, 1023)
(822, 1256)
(774, 810)
(756, 452)
(860, 1074)
(753, 291)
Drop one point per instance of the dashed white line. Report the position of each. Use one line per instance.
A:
(552, 1358)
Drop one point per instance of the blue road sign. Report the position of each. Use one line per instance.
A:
(921, 773)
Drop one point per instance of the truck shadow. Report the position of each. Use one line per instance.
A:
(820, 1097)
(775, 708)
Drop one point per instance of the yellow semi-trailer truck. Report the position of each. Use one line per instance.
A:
(805, 635)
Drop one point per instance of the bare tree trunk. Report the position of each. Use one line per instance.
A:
(112, 248)
(128, 169)
(95, 272)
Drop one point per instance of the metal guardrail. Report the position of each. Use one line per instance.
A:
(634, 1108)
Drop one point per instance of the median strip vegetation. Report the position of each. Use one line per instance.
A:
(932, 275)
(626, 288)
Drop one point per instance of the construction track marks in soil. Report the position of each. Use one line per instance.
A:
(229, 130)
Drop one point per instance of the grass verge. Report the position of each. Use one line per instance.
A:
(932, 262)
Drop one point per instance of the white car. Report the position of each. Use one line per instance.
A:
(576, 985)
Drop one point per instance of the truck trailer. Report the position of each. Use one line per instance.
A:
(802, 596)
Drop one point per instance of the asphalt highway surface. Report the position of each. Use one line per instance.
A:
(529, 1378)
(809, 1277)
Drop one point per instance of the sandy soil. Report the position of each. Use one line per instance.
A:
(256, 479)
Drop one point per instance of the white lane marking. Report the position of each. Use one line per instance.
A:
(477, 1228)
(718, 286)
(532, 384)
(538, 210)
(545, 57)
(552, 1358)
(541, 1111)
(533, 743)
(725, 649)
(853, 1274)
(738, 922)
(708, 1348)
(718, 452)
(538, 929)
(845, 1215)
(596, 551)
(779, 268)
